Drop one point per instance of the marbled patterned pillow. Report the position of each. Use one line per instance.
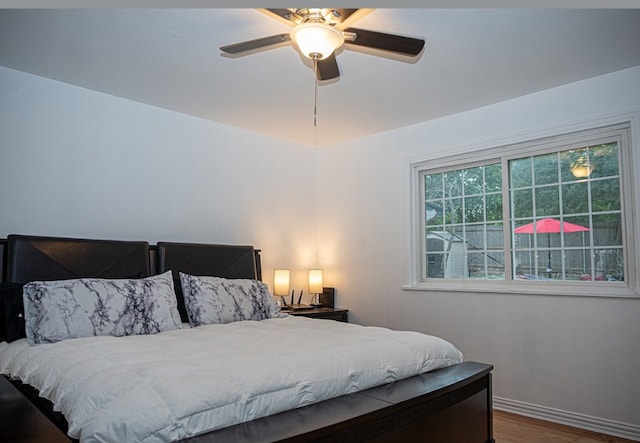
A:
(216, 300)
(62, 309)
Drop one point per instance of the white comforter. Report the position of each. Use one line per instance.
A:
(176, 384)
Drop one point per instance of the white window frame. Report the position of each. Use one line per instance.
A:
(623, 129)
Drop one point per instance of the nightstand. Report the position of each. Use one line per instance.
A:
(323, 313)
(21, 421)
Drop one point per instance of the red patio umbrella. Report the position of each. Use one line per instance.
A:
(549, 226)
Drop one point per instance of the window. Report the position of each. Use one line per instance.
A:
(549, 211)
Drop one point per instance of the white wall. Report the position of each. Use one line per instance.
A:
(578, 355)
(78, 163)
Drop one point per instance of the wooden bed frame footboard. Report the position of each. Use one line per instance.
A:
(452, 404)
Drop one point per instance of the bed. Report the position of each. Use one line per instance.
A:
(186, 372)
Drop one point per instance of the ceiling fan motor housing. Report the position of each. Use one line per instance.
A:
(328, 16)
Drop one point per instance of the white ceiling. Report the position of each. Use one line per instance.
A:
(170, 58)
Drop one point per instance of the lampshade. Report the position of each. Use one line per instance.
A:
(281, 282)
(316, 40)
(315, 281)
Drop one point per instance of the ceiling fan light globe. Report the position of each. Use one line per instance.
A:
(316, 41)
(582, 171)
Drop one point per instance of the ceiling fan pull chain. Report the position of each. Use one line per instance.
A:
(315, 90)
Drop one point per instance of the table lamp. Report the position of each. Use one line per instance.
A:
(315, 285)
(281, 284)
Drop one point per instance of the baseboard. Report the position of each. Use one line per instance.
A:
(601, 425)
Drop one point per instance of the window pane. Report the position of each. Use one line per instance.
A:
(474, 209)
(487, 266)
(433, 212)
(525, 239)
(581, 165)
(605, 195)
(458, 237)
(453, 183)
(453, 211)
(494, 207)
(545, 169)
(524, 265)
(605, 160)
(435, 265)
(607, 230)
(520, 172)
(495, 236)
(555, 240)
(579, 238)
(547, 201)
(522, 203)
(609, 264)
(548, 263)
(577, 265)
(433, 186)
(571, 159)
(493, 178)
(575, 198)
(476, 237)
(473, 181)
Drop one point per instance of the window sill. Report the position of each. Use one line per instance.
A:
(559, 288)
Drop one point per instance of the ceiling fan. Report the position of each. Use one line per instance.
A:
(318, 32)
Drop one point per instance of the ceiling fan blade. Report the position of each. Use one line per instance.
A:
(328, 68)
(257, 43)
(386, 42)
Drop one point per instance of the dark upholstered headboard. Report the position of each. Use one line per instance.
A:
(31, 258)
(206, 259)
(27, 258)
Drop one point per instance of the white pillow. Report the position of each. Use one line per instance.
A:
(62, 309)
(216, 300)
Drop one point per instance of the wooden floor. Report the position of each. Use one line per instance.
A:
(511, 428)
